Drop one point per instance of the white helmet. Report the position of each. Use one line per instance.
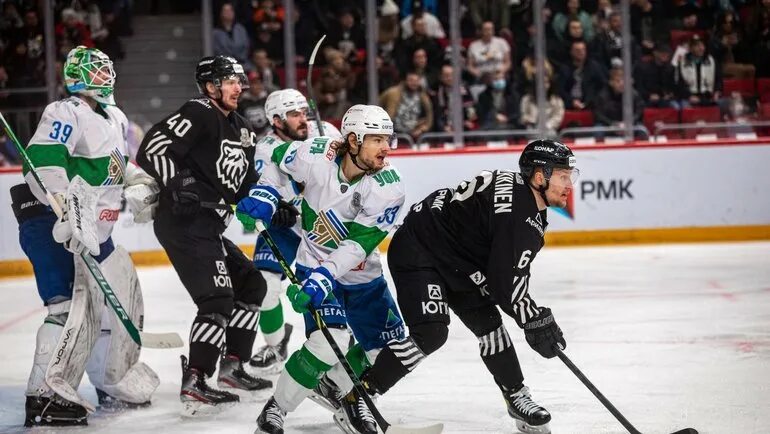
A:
(283, 101)
(367, 119)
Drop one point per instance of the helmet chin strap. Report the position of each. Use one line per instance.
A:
(354, 158)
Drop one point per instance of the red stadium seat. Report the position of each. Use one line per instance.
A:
(577, 118)
(763, 89)
(744, 86)
(654, 116)
(679, 37)
(694, 115)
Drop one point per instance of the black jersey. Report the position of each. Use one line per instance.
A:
(488, 229)
(218, 150)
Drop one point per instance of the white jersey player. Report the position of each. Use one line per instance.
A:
(287, 111)
(352, 198)
(80, 153)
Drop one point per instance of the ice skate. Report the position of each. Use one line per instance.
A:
(41, 411)
(270, 358)
(198, 398)
(530, 417)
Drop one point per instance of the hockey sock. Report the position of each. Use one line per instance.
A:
(242, 329)
(499, 356)
(206, 338)
(271, 324)
(395, 360)
(356, 356)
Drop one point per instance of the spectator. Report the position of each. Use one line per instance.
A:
(268, 16)
(558, 51)
(419, 40)
(348, 37)
(71, 31)
(760, 48)
(22, 70)
(498, 106)
(270, 43)
(388, 33)
(5, 100)
(33, 32)
(497, 11)
(252, 104)
(645, 23)
(110, 44)
(408, 104)
(432, 24)
(266, 70)
(488, 54)
(442, 112)
(554, 110)
(730, 49)
(527, 71)
(426, 70)
(573, 11)
(609, 44)
(698, 76)
(581, 79)
(333, 86)
(608, 107)
(654, 79)
(230, 37)
(688, 22)
(10, 20)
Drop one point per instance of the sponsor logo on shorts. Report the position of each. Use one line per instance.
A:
(434, 292)
(223, 279)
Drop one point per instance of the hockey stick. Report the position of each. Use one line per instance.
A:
(149, 340)
(311, 97)
(607, 404)
(383, 424)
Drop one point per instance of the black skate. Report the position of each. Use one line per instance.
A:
(197, 397)
(270, 421)
(270, 358)
(232, 375)
(111, 404)
(53, 412)
(530, 417)
(327, 395)
(355, 417)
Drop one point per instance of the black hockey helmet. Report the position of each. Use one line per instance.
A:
(548, 154)
(217, 68)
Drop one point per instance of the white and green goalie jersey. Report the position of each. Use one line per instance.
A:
(72, 139)
(342, 222)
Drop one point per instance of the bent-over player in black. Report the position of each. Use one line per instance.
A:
(203, 155)
(469, 249)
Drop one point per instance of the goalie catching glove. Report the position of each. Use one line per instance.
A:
(543, 334)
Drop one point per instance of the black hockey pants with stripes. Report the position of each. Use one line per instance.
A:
(425, 293)
(223, 282)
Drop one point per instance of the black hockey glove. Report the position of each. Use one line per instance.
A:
(285, 215)
(183, 191)
(543, 334)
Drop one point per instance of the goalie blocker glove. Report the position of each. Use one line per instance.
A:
(543, 334)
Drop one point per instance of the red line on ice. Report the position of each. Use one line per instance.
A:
(18, 319)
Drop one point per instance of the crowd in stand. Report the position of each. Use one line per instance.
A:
(683, 52)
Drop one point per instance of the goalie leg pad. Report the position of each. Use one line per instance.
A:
(47, 337)
(114, 365)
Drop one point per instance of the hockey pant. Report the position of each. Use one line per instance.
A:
(271, 312)
(224, 283)
(84, 334)
(372, 315)
(425, 296)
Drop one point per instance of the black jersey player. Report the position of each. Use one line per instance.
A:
(204, 154)
(469, 249)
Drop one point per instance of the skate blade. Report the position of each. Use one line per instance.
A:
(247, 395)
(273, 369)
(343, 424)
(194, 409)
(323, 402)
(532, 429)
(430, 429)
(49, 421)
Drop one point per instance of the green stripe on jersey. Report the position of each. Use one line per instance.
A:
(279, 152)
(95, 171)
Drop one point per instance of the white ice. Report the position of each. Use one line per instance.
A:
(674, 335)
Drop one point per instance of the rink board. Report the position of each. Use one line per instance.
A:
(639, 194)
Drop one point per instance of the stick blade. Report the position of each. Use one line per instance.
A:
(430, 429)
(686, 431)
(161, 340)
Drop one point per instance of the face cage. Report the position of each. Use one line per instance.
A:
(98, 68)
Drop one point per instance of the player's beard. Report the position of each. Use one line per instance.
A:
(294, 134)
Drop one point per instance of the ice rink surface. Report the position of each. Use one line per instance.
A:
(674, 335)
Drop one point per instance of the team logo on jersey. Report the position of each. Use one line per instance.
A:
(231, 164)
(434, 292)
(116, 168)
(355, 203)
(328, 230)
(247, 138)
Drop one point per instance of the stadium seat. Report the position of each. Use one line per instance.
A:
(679, 37)
(577, 118)
(694, 115)
(763, 89)
(654, 116)
(744, 86)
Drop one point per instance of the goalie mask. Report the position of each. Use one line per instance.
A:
(89, 72)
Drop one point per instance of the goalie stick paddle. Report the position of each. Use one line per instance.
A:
(606, 402)
(383, 424)
(149, 340)
(310, 91)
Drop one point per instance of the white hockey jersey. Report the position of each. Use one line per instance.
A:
(342, 222)
(72, 139)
